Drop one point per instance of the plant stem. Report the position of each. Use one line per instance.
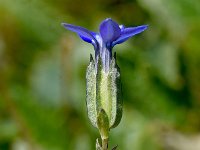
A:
(105, 144)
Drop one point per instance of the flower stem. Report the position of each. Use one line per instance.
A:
(105, 144)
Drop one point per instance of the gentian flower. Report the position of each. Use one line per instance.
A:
(110, 34)
(103, 79)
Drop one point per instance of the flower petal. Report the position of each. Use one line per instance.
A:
(86, 39)
(129, 32)
(109, 30)
(85, 34)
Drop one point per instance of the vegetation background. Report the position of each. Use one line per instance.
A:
(42, 74)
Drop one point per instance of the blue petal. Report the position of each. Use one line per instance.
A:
(126, 33)
(109, 30)
(86, 39)
(85, 34)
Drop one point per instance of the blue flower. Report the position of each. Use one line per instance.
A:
(110, 34)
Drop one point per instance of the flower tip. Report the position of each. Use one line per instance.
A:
(62, 24)
(65, 25)
(146, 26)
(142, 28)
(108, 19)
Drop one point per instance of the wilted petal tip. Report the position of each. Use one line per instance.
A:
(62, 24)
(65, 25)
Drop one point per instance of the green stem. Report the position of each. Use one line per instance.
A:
(105, 144)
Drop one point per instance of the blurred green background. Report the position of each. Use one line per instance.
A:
(42, 74)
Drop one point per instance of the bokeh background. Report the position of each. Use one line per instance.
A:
(42, 74)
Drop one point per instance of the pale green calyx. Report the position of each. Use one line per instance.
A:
(103, 124)
(103, 95)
